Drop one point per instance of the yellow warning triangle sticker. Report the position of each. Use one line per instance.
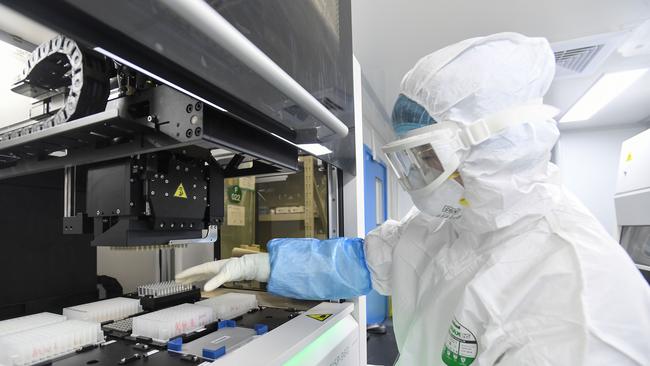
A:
(629, 157)
(180, 191)
(319, 317)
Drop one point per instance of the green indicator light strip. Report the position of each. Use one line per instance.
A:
(307, 354)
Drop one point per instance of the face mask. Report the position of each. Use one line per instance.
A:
(445, 202)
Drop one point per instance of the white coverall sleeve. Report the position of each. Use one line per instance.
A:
(379, 246)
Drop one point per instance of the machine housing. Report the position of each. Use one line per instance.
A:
(632, 200)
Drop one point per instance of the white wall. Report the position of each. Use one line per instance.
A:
(588, 160)
(14, 107)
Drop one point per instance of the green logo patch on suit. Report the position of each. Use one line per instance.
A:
(461, 346)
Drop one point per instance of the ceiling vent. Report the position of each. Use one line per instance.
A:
(576, 59)
(584, 56)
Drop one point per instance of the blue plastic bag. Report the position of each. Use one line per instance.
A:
(313, 269)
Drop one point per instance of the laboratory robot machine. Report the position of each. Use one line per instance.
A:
(141, 113)
(632, 200)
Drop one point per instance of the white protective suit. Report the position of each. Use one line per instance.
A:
(531, 278)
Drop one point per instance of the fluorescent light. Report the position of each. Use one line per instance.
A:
(59, 153)
(315, 149)
(608, 87)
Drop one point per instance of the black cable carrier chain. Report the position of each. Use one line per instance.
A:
(88, 89)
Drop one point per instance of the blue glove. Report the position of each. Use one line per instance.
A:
(313, 269)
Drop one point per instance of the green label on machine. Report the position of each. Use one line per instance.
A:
(234, 194)
(461, 346)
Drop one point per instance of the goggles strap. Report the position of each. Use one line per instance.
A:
(487, 127)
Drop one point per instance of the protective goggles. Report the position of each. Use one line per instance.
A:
(427, 156)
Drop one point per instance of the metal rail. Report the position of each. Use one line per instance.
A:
(205, 19)
(68, 191)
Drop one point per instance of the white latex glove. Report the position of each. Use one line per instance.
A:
(249, 267)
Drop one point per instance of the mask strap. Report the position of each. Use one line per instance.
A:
(487, 127)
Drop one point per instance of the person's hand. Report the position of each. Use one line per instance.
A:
(249, 267)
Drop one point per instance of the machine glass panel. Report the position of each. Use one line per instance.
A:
(258, 209)
(310, 40)
(636, 241)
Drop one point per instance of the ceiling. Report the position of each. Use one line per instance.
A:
(390, 36)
